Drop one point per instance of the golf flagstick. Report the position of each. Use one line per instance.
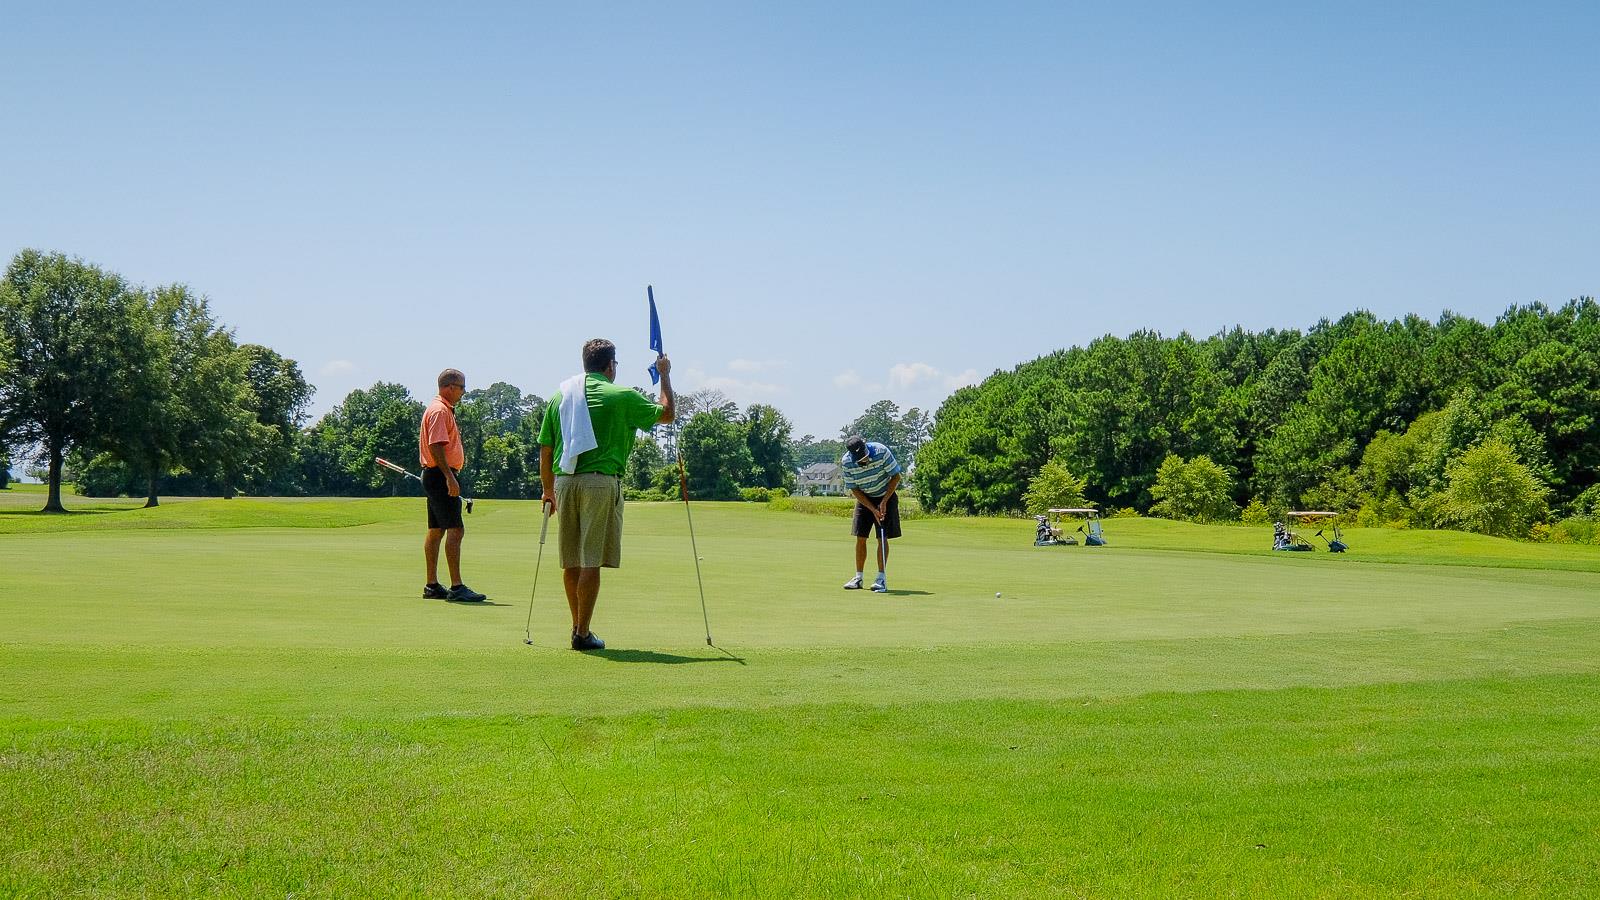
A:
(527, 629)
(683, 478)
(683, 486)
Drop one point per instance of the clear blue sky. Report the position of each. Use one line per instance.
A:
(836, 203)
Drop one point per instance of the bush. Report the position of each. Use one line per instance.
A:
(1195, 491)
(755, 494)
(1575, 530)
(646, 495)
(1489, 491)
(1053, 488)
(1256, 513)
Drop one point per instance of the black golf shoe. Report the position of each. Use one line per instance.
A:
(435, 591)
(463, 594)
(590, 641)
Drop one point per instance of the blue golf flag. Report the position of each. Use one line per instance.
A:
(655, 333)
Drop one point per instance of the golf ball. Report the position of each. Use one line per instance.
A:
(997, 593)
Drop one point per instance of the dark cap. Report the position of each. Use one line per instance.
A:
(857, 448)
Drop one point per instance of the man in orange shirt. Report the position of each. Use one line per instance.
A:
(442, 457)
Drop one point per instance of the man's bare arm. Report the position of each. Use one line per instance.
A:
(669, 408)
(547, 474)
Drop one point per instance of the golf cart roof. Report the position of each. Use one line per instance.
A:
(1077, 511)
(1313, 514)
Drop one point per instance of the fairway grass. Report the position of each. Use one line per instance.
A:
(247, 697)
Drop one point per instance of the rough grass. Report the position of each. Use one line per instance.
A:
(257, 703)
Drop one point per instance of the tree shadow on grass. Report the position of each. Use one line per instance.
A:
(672, 659)
(71, 513)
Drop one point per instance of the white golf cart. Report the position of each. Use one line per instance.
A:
(1056, 535)
(1322, 520)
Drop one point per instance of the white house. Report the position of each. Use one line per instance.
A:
(819, 478)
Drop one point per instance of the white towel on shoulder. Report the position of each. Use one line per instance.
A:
(577, 431)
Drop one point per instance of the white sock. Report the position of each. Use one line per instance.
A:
(858, 576)
(880, 576)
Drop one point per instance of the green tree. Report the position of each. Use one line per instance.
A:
(280, 394)
(715, 456)
(767, 434)
(199, 413)
(1196, 491)
(382, 420)
(902, 434)
(77, 343)
(1490, 491)
(1055, 487)
(5, 469)
(644, 461)
(809, 450)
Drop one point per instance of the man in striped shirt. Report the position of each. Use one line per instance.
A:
(872, 474)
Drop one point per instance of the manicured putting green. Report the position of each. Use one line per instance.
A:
(249, 696)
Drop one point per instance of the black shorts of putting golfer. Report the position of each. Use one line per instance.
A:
(863, 523)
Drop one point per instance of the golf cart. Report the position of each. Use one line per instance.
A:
(1093, 536)
(1322, 521)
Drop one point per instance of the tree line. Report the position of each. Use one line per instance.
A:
(1446, 423)
(124, 390)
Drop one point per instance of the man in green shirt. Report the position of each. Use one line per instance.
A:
(584, 490)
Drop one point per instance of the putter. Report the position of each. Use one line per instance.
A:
(883, 548)
(527, 629)
(393, 467)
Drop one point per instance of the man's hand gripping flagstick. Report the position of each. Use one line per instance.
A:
(683, 478)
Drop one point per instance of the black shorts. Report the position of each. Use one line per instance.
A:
(861, 523)
(444, 511)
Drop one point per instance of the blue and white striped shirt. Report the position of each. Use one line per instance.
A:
(871, 477)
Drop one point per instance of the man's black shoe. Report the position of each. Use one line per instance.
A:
(463, 594)
(434, 591)
(590, 641)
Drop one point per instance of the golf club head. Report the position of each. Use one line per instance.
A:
(469, 505)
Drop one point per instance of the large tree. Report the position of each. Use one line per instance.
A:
(382, 420)
(766, 433)
(197, 412)
(715, 456)
(281, 395)
(77, 350)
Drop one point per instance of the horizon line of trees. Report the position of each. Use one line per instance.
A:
(127, 391)
(1408, 422)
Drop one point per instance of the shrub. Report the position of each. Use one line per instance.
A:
(755, 494)
(1490, 491)
(1196, 491)
(1256, 513)
(1575, 530)
(1053, 488)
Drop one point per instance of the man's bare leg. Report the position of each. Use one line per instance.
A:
(452, 554)
(569, 580)
(861, 554)
(430, 553)
(588, 593)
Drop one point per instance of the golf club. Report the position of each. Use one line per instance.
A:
(393, 467)
(883, 551)
(527, 629)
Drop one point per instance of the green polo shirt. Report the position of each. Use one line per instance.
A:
(616, 413)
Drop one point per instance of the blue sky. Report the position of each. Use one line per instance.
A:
(836, 203)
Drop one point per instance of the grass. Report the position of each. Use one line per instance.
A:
(259, 704)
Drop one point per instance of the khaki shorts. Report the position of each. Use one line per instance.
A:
(589, 516)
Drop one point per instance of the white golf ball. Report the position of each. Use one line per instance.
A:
(997, 593)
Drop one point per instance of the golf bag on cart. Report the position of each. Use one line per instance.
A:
(1045, 535)
(1284, 539)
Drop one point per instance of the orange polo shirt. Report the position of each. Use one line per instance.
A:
(439, 427)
